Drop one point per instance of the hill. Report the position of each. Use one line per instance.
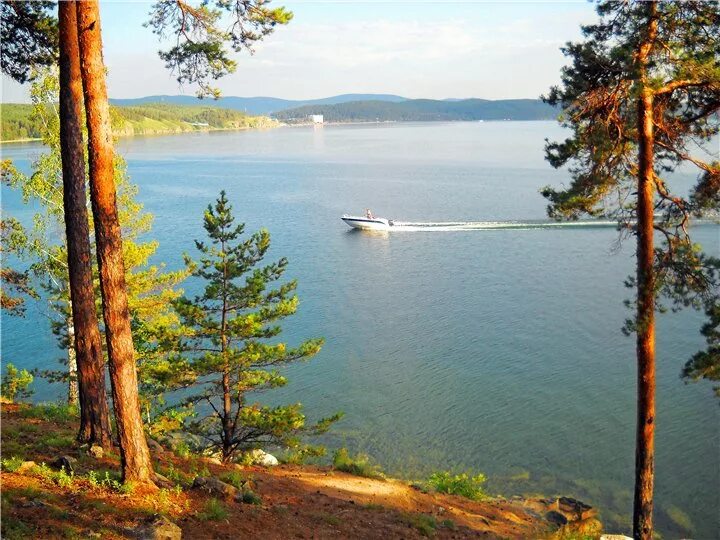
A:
(424, 110)
(201, 498)
(151, 119)
(255, 105)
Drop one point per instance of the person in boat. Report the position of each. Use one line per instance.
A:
(368, 214)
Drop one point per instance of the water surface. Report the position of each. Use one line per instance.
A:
(493, 350)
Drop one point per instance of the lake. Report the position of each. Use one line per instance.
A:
(497, 351)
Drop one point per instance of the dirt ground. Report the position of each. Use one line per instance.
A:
(296, 501)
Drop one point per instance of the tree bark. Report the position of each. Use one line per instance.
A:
(86, 343)
(645, 435)
(134, 454)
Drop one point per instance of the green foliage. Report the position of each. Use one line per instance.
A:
(52, 412)
(423, 523)
(221, 352)
(359, 465)
(11, 464)
(15, 384)
(679, 72)
(29, 34)
(470, 487)
(150, 288)
(213, 510)
(199, 36)
(21, 121)
(235, 478)
(250, 497)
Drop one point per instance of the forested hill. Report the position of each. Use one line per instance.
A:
(151, 119)
(424, 110)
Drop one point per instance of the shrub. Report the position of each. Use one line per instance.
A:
(15, 384)
(11, 464)
(52, 412)
(235, 478)
(250, 497)
(470, 487)
(213, 510)
(359, 465)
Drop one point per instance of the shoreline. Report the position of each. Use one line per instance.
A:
(280, 124)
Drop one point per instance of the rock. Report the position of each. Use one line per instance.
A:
(214, 486)
(96, 451)
(155, 446)
(65, 462)
(212, 460)
(26, 466)
(160, 528)
(556, 518)
(614, 537)
(574, 509)
(260, 457)
(163, 481)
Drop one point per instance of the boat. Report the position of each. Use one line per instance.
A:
(368, 222)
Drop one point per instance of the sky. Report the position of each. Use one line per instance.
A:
(417, 49)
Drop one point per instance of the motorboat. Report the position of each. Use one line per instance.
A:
(368, 222)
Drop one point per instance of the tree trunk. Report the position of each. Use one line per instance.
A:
(86, 343)
(645, 436)
(134, 454)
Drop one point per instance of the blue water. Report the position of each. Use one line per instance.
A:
(493, 350)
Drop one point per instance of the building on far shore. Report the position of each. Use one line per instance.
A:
(316, 118)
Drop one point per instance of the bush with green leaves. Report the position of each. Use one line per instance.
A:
(15, 383)
(359, 465)
(470, 487)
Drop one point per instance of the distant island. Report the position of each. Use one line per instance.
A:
(155, 115)
(18, 123)
(423, 110)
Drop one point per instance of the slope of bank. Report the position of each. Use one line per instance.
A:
(18, 123)
(200, 498)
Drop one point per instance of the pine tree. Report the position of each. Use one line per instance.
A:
(223, 351)
(641, 89)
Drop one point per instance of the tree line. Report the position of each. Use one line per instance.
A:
(20, 121)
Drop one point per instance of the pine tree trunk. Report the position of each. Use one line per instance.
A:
(645, 436)
(134, 454)
(94, 416)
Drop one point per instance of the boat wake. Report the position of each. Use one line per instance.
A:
(411, 226)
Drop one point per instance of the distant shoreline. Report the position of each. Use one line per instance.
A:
(279, 124)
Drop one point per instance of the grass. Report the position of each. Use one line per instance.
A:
(250, 497)
(11, 464)
(424, 524)
(213, 510)
(359, 465)
(236, 479)
(470, 487)
(51, 412)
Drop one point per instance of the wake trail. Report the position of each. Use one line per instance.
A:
(439, 226)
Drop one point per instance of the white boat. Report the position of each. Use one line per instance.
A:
(368, 223)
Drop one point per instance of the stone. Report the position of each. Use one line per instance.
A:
(614, 537)
(212, 460)
(160, 528)
(214, 486)
(155, 446)
(574, 509)
(96, 451)
(26, 466)
(260, 457)
(65, 462)
(556, 518)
